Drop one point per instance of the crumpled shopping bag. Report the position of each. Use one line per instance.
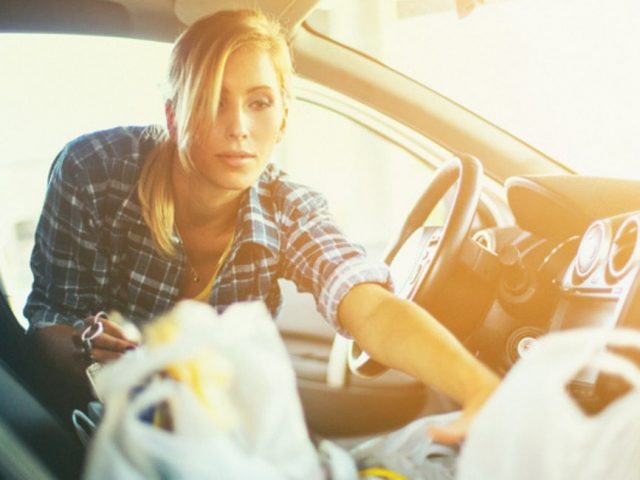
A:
(531, 428)
(226, 390)
(410, 452)
(243, 421)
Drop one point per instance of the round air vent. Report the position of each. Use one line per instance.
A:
(589, 251)
(624, 249)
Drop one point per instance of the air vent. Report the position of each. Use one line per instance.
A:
(624, 249)
(589, 251)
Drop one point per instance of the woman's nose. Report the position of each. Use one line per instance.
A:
(237, 124)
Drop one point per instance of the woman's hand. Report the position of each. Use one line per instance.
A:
(455, 433)
(110, 344)
(402, 335)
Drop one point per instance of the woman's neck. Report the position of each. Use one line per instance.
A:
(201, 205)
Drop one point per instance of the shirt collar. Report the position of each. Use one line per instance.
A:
(256, 221)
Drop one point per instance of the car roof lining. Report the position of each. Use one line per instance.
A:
(290, 13)
(95, 17)
(159, 20)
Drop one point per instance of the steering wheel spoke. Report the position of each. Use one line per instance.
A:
(423, 257)
(360, 363)
(412, 262)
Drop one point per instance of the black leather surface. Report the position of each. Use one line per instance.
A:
(22, 414)
(40, 431)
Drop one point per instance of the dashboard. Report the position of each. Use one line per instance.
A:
(572, 260)
(598, 281)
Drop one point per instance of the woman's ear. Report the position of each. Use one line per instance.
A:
(171, 119)
(283, 125)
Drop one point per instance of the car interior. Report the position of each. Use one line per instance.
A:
(501, 242)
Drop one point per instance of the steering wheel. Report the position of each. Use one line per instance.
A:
(422, 257)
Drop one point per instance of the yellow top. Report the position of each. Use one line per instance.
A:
(205, 293)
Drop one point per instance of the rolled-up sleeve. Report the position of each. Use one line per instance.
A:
(320, 260)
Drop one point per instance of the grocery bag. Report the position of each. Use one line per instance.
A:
(534, 428)
(234, 413)
(409, 452)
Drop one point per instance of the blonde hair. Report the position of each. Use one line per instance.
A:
(196, 68)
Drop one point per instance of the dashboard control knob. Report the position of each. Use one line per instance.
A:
(521, 342)
(525, 345)
(515, 276)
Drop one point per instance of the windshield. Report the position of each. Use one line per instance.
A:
(562, 75)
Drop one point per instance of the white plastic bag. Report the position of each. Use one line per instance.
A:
(264, 435)
(410, 452)
(532, 429)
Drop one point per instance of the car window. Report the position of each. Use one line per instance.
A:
(562, 75)
(370, 180)
(56, 87)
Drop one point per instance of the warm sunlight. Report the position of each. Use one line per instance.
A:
(54, 88)
(83, 84)
(563, 75)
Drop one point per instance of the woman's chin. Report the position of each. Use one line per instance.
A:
(238, 181)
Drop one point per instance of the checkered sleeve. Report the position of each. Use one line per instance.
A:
(319, 259)
(68, 265)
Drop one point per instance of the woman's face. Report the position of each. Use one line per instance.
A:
(250, 121)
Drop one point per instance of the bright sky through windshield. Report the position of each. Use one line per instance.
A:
(563, 75)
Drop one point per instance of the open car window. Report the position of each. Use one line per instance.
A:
(561, 75)
(370, 168)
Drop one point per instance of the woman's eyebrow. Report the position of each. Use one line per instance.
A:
(251, 89)
(260, 87)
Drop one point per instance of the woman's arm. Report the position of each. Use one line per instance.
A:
(349, 293)
(402, 335)
(70, 265)
(68, 262)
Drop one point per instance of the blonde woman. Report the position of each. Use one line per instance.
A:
(138, 218)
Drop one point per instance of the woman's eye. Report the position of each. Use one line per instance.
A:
(261, 103)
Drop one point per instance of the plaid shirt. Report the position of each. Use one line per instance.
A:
(93, 250)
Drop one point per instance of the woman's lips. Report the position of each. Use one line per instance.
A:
(236, 159)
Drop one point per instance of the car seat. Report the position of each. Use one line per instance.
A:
(35, 442)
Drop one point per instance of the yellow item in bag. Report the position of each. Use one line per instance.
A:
(207, 373)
